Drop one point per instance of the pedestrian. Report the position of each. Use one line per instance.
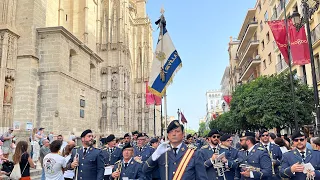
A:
(87, 160)
(22, 157)
(44, 150)
(177, 152)
(283, 146)
(6, 147)
(36, 146)
(316, 144)
(68, 174)
(53, 163)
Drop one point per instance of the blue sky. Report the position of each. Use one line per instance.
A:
(200, 31)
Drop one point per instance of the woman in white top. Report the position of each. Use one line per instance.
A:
(53, 163)
(68, 174)
(283, 146)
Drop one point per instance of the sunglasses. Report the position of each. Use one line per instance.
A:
(229, 140)
(301, 139)
(264, 135)
(214, 136)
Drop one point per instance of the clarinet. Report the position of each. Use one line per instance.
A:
(220, 167)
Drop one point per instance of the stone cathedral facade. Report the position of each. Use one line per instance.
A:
(69, 65)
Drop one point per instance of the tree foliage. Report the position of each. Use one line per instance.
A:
(202, 129)
(267, 102)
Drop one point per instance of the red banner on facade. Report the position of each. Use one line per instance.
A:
(227, 99)
(299, 45)
(278, 29)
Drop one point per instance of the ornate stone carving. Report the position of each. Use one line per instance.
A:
(103, 95)
(104, 70)
(7, 116)
(146, 110)
(139, 122)
(139, 95)
(8, 91)
(146, 122)
(114, 83)
(114, 70)
(11, 40)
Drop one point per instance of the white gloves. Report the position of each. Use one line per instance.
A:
(162, 148)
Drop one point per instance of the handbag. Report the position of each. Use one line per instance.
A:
(7, 166)
(16, 173)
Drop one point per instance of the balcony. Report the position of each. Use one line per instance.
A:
(281, 66)
(315, 35)
(248, 51)
(279, 10)
(248, 36)
(248, 67)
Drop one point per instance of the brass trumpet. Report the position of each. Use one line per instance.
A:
(271, 157)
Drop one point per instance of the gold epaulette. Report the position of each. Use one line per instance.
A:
(261, 148)
(224, 147)
(138, 161)
(191, 146)
(204, 147)
(76, 147)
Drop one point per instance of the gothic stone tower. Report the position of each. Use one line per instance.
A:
(69, 65)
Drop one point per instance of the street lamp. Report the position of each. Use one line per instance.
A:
(298, 22)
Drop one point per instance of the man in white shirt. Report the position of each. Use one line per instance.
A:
(53, 163)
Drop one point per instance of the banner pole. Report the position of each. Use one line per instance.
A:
(162, 22)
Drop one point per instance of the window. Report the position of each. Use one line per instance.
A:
(268, 37)
(71, 58)
(269, 58)
(261, 26)
(275, 11)
(262, 44)
(266, 16)
(264, 64)
(259, 6)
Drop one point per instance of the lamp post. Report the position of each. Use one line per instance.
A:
(298, 22)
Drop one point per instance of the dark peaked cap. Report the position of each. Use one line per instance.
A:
(84, 133)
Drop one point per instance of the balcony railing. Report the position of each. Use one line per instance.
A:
(279, 10)
(315, 34)
(251, 21)
(246, 65)
(282, 65)
(252, 40)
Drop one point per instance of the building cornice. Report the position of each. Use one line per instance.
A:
(71, 37)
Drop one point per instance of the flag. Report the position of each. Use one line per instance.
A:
(151, 98)
(183, 119)
(166, 62)
(299, 45)
(278, 29)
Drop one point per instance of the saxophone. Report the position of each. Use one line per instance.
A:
(119, 169)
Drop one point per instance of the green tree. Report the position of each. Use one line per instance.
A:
(202, 129)
(266, 102)
(190, 131)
